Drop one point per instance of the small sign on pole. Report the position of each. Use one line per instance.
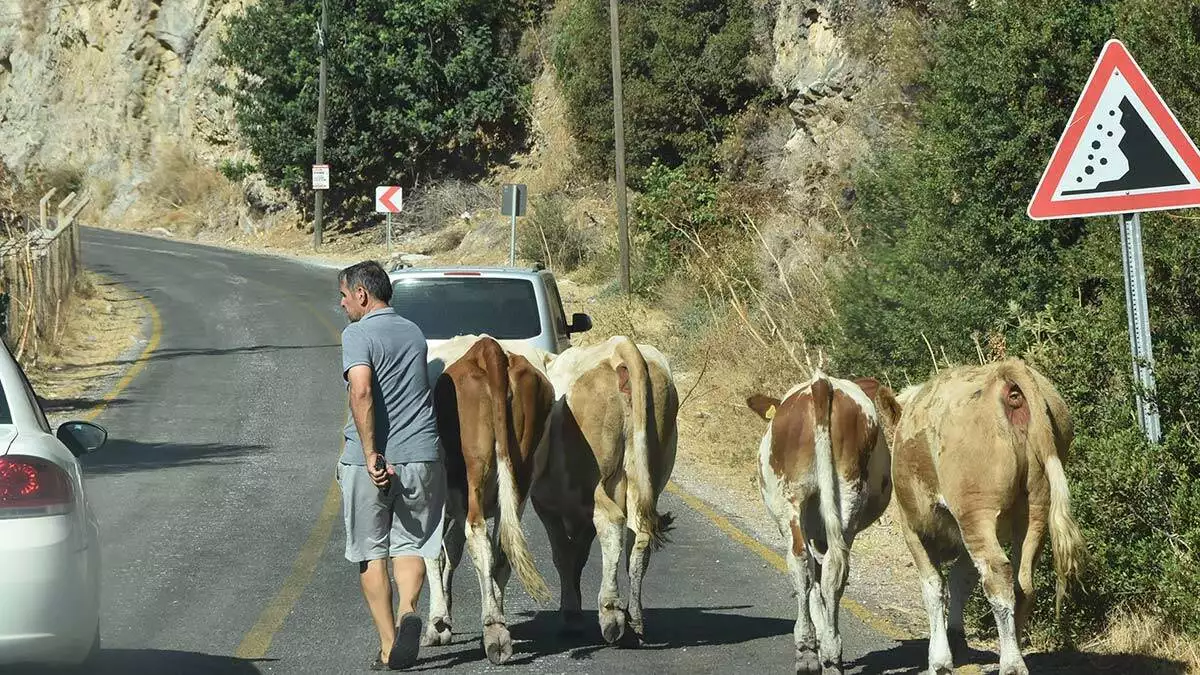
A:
(513, 204)
(389, 199)
(1122, 152)
(320, 176)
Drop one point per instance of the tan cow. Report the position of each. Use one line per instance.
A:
(978, 461)
(612, 440)
(824, 474)
(492, 403)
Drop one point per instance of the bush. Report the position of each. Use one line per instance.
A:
(236, 170)
(549, 235)
(948, 254)
(685, 73)
(415, 90)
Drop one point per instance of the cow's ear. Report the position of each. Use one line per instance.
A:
(765, 406)
(888, 406)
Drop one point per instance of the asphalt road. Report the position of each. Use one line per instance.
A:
(222, 545)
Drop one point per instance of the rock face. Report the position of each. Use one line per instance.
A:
(107, 86)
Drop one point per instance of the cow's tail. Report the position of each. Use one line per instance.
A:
(1045, 434)
(633, 379)
(829, 499)
(512, 538)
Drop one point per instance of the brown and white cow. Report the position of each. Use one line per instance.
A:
(824, 474)
(492, 400)
(611, 450)
(978, 461)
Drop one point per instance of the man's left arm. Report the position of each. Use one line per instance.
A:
(362, 408)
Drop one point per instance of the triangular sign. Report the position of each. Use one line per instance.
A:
(1123, 150)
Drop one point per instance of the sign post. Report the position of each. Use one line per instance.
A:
(389, 199)
(513, 204)
(1122, 152)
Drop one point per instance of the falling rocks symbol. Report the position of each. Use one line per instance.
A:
(1149, 165)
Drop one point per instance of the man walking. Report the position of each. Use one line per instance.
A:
(392, 478)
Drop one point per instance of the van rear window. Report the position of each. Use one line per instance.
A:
(443, 308)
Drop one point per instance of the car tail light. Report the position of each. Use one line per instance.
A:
(32, 486)
(462, 274)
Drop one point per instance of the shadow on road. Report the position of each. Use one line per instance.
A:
(125, 661)
(667, 628)
(56, 406)
(170, 354)
(120, 456)
(910, 656)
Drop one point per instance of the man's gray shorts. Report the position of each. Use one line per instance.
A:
(407, 522)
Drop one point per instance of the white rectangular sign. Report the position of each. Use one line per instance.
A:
(320, 177)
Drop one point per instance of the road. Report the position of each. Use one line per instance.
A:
(222, 543)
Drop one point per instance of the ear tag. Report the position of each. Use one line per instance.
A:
(770, 413)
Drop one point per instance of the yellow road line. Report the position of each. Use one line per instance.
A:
(258, 640)
(139, 364)
(878, 623)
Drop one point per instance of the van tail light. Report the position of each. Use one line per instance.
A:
(32, 486)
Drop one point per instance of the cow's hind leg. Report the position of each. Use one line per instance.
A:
(800, 571)
(1029, 531)
(963, 578)
(569, 547)
(933, 591)
(638, 557)
(497, 643)
(440, 573)
(979, 536)
(610, 528)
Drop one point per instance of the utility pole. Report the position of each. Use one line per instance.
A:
(322, 35)
(614, 34)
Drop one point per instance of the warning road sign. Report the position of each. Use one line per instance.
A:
(1122, 151)
(389, 199)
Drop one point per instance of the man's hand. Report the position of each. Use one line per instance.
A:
(378, 476)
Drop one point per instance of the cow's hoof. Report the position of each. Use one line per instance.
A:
(612, 624)
(807, 662)
(831, 668)
(1016, 667)
(497, 643)
(437, 634)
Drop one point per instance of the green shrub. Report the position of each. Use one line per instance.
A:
(686, 72)
(949, 253)
(236, 170)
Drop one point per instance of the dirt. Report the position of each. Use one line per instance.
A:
(103, 328)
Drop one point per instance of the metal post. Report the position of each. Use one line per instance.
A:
(389, 235)
(614, 36)
(1138, 314)
(512, 239)
(319, 209)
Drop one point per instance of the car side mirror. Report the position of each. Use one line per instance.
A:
(580, 323)
(82, 438)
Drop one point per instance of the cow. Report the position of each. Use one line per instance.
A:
(824, 472)
(492, 400)
(611, 449)
(978, 460)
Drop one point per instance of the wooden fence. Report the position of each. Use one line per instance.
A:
(39, 262)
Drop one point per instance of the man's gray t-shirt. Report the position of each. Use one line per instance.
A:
(394, 348)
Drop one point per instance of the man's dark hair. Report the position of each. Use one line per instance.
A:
(370, 275)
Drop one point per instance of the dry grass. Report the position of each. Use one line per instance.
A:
(101, 323)
(186, 197)
(1145, 634)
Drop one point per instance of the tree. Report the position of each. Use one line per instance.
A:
(417, 88)
(685, 74)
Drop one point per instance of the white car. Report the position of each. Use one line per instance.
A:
(49, 546)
